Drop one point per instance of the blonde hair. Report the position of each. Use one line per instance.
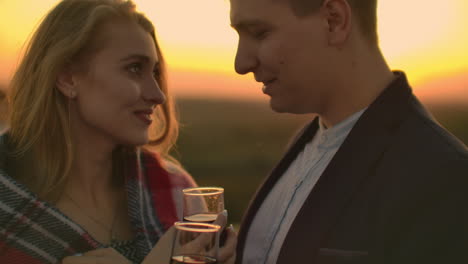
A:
(38, 116)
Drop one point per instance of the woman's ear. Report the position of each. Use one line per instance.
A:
(339, 18)
(66, 83)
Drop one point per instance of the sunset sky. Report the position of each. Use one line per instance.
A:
(426, 38)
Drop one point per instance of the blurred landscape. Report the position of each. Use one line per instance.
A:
(235, 144)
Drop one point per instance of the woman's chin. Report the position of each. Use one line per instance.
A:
(135, 140)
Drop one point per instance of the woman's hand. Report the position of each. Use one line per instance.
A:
(98, 256)
(226, 253)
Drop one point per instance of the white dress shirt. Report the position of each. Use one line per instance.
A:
(279, 209)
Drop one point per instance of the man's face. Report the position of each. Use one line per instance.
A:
(286, 53)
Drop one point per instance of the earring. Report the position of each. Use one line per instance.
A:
(68, 140)
(72, 94)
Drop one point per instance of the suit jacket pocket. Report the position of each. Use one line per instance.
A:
(337, 256)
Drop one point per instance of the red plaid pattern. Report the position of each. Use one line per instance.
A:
(35, 232)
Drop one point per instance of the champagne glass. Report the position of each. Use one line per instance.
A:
(195, 243)
(203, 204)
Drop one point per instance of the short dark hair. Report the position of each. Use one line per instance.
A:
(365, 12)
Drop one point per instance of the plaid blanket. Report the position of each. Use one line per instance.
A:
(35, 232)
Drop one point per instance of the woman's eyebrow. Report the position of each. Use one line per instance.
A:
(140, 57)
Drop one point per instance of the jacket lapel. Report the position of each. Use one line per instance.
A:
(307, 134)
(353, 163)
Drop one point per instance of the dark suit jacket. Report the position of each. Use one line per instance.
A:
(395, 192)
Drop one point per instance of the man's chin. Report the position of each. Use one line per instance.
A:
(283, 107)
(279, 107)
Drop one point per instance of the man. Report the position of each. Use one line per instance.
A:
(373, 179)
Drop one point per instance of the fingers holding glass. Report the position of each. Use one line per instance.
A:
(195, 243)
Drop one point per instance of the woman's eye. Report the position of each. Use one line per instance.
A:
(156, 73)
(135, 68)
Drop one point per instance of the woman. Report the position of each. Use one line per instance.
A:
(88, 93)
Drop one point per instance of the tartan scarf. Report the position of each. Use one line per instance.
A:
(33, 231)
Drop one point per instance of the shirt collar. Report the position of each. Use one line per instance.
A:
(334, 136)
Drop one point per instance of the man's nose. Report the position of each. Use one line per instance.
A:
(246, 59)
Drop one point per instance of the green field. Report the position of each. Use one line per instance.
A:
(235, 144)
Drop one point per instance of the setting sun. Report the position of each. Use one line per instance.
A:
(426, 38)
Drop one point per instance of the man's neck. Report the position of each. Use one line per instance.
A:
(364, 80)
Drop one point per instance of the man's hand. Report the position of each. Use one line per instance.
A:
(98, 256)
(227, 253)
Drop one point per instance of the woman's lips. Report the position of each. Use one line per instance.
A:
(145, 116)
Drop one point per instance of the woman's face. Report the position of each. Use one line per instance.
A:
(118, 92)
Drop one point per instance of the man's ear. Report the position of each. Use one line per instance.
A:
(339, 17)
(66, 83)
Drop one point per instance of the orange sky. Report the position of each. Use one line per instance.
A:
(426, 38)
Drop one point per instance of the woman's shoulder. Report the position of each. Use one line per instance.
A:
(177, 175)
